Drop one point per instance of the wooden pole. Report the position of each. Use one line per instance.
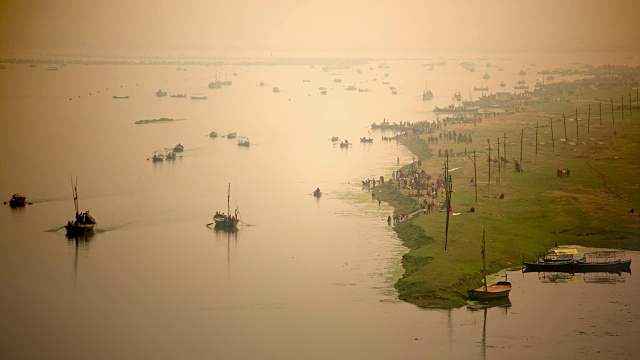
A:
(504, 147)
(521, 140)
(589, 118)
(536, 159)
(600, 113)
(577, 135)
(447, 189)
(553, 143)
(564, 120)
(499, 160)
(489, 182)
(630, 105)
(622, 106)
(613, 118)
(475, 174)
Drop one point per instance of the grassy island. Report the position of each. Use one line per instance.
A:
(540, 208)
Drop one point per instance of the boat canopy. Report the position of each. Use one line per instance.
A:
(563, 251)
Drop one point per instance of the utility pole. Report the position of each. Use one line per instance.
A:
(553, 143)
(489, 182)
(564, 120)
(499, 160)
(521, 140)
(475, 175)
(600, 113)
(536, 159)
(504, 147)
(613, 118)
(577, 135)
(589, 118)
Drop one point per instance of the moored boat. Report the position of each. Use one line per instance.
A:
(366, 140)
(317, 192)
(500, 290)
(157, 156)
(161, 93)
(213, 134)
(178, 148)
(607, 261)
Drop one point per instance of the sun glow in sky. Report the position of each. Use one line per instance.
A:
(412, 26)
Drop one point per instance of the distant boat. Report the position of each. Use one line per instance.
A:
(482, 88)
(521, 87)
(178, 95)
(178, 148)
(486, 76)
(337, 80)
(17, 200)
(261, 83)
(306, 80)
(427, 94)
(363, 90)
(335, 139)
(522, 72)
(366, 140)
(160, 93)
(120, 97)
(243, 141)
(198, 97)
(351, 88)
(499, 290)
(453, 109)
(83, 222)
(157, 156)
(323, 92)
(393, 92)
(317, 192)
(171, 155)
(232, 135)
(276, 89)
(502, 84)
(345, 143)
(213, 134)
(52, 68)
(226, 221)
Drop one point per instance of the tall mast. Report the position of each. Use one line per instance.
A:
(484, 263)
(74, 190)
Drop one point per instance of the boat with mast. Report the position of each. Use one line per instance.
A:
(83, 222)
(226, 221)
(500, 290)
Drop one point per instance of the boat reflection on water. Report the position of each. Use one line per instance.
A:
(590, 277)
(503, 303)
(80, 242)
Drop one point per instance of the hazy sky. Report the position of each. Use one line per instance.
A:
(160, 26)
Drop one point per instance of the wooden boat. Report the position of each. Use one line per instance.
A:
(17, 200)
(157, 156)
(213, 134)
(226, 221)
(482, 88)
(198, 97)
(453, 109)
(83, 222)
(179, 95)
(232, 135)
(345, 144)
(178, 148)
(335, 139)
(366, 140)
(120, 97)
(161, 93)
(600, 261)
(500, 290)
(317, 192)
(171, 155)
(243, 141)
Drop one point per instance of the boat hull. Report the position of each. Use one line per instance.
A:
(494, 292)
(577, 266)
(78, 229)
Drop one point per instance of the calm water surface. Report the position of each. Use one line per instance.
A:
(311, 278)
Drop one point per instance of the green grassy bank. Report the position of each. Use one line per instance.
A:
(591, 207)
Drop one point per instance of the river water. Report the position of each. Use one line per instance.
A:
(303, 277)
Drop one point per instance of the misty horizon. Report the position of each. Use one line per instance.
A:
(331, 27)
